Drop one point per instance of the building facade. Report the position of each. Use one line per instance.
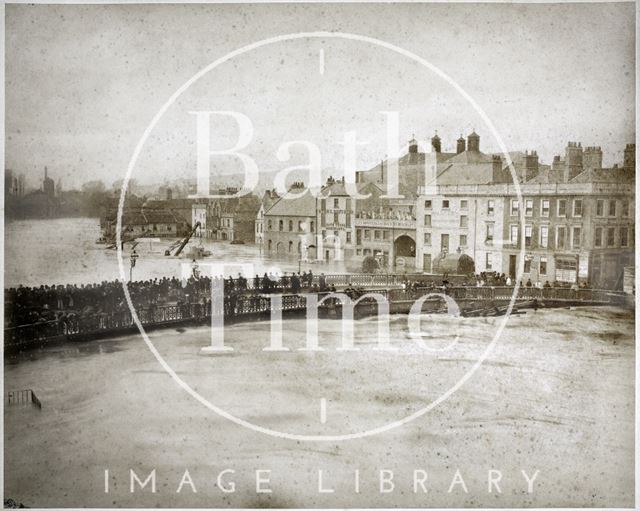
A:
(269, 197)
(290, 226)
(578, 231)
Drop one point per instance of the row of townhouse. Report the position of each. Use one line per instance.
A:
(577, 231)
(573, 221)
(335, 225)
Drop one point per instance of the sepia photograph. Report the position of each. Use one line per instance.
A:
(319, 255)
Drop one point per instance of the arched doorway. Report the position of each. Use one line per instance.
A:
(312, 253)
(404, 246)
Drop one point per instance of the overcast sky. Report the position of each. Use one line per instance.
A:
(82, 82)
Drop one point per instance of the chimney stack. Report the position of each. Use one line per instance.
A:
(435, 143)
(473, 142)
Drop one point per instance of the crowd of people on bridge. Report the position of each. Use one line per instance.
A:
(495, 279)
(29, 305)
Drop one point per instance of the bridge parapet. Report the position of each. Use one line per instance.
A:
(250, 305)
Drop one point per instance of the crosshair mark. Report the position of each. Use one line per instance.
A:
(323, 410)
(321, 61)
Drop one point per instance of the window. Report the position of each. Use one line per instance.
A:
(299, 225)
(444, 242)
(490, 207)
(463, 240)
(488, 261)
(612, 207)
(561, 237)
(544, 236)
(464, 204)
(576, 232)
(624, 236)
(299, 245)
(489, 233)
(445, 204)
(562, 207)
(358, 251)
(527, 264)
(611, 236)
(385, 235)
(625, 208)
(290, 225)
(528, 234)
(336, 203)
(514, 207)
(427, 204)
(513, 234)
(269, 245)
(290, 246)
(312, 226)
(597, 241)
(528, 207)
(464, 221)
(367, 234)
(270, 225)
(543, 266)
(427, 220)
(348, 237)
(336, 219)
(600, 207)
(427, 238)
(577, 207)
(377, 235)
(280, 225)
(544, 207)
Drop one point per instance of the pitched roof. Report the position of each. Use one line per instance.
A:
(339, 189)
(470, 158)
(152, 216)
(547, 176)
(614, 175)
(466, 174)
(302, 206)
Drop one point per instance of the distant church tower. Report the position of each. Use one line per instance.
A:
(48, 186)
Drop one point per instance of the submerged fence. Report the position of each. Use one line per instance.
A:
(23, 397)
(246, 306)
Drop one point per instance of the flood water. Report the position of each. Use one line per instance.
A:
(556, 394)
(64, 251)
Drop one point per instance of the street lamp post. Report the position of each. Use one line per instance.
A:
(133, 258)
